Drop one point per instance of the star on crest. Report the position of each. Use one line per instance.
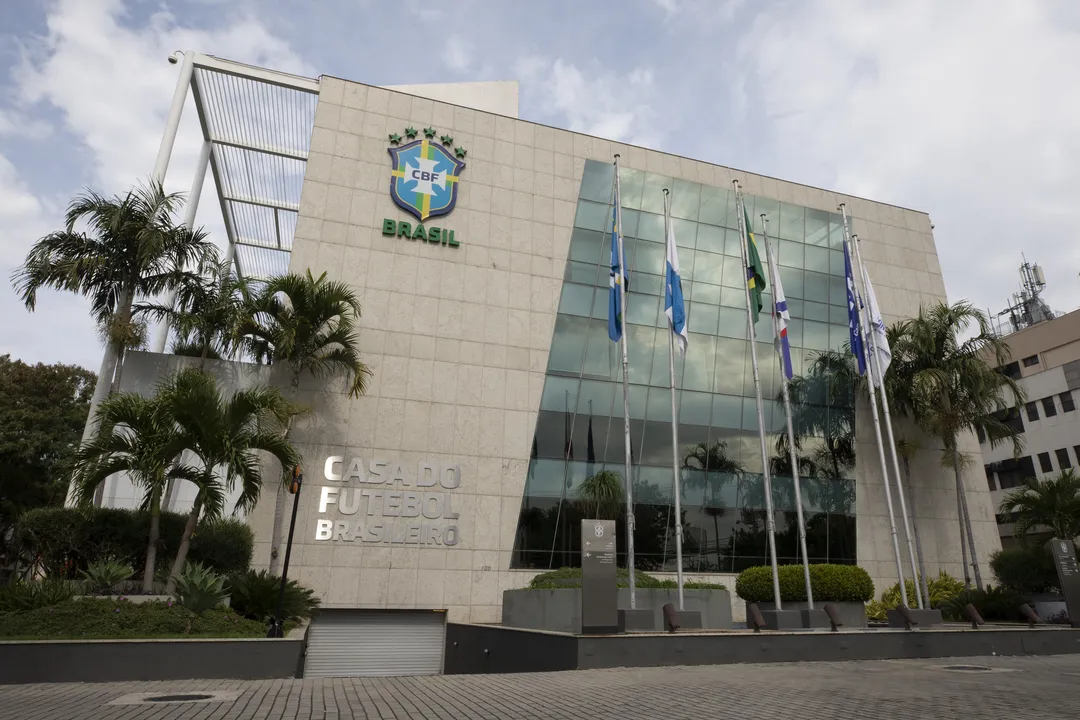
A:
(429, 132)
(410, 132)
(446, 140)
(460, 152)
(395, 138)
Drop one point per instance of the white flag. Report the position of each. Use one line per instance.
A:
(880, 355)
(674, 307)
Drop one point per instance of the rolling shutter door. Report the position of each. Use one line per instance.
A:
(357, 643)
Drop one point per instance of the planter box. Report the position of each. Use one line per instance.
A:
(46, 661)
(560, 610)
(852, 614)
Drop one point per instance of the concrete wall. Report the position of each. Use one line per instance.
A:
(559, 610)
(499, 96)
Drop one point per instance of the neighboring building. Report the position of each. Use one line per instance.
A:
(495, 388)
(1045, 361)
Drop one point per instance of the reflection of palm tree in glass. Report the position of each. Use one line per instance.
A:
(601, 493)
(823, 406)
(715, 469)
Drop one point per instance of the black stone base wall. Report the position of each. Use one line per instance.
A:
(491, 649)
(119, 661)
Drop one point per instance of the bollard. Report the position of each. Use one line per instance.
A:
(1031, 616)
(973, 614)
(834, 617)
(671, 619)
(905, 612)
(755, 618)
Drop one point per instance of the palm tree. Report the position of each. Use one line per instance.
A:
(954, 390)
(139, 438)
(1053, 503)
(602, 492)
(131, 248)
(306, 324)
(208, 312)
(225, 434)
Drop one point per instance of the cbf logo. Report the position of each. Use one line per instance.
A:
(424, 180)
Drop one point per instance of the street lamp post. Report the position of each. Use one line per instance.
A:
(277, 622)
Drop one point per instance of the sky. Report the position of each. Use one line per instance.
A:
(965, 109)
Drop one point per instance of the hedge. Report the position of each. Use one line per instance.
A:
(830, 583)
(1027, 569)
(92, 618)
(570, 577)
(66, 540)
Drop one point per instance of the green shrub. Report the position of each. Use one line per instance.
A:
(1027, 569)
(570, 577)
(994, 603)
(102, 577)
(830, 583)
(199, 588)
(255, 595)
(102, 618)
(23, 596)
(942, 589)
(68, 540)
(225, 545)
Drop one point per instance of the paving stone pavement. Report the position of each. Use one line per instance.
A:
(1015, 687)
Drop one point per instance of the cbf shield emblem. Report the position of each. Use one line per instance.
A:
(424, 180)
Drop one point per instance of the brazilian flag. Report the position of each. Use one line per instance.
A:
(755, 274)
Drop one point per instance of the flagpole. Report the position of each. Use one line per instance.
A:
(773, 275)
(891, 439)
(625, 393)
(674, 425)
(877, 431)
(770, 521)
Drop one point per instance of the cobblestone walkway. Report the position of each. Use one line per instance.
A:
(1014, 688)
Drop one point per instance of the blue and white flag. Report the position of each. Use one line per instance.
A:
(780, 310)
(880, 353)
(615, 308)
(674, 307)
(854, 331)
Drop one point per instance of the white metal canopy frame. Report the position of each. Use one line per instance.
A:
(256, 127)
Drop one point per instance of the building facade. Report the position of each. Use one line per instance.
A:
(478, 245)
(1045, 362)
(494, 394)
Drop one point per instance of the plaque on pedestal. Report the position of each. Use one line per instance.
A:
(1068, 576)
(599, 596)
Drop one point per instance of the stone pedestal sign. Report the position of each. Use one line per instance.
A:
(1068, 576)
(599, 607)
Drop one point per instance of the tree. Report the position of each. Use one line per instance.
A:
(954, 390)
(1053, 503)
(225, 434)
(131, 248)
(308, 325)
(137, 436)
(208, 312)
(42, 413)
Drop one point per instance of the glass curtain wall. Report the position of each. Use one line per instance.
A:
(577, 464)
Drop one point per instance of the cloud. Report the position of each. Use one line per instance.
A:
(944, 107)
(15, 124)
(108, 80)
(456, 54)
(596, 102)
